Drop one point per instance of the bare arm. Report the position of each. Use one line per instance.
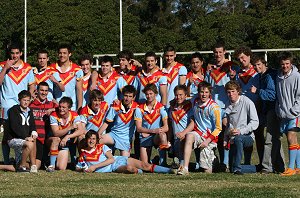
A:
(102, 128)
(57, 83)
(163, 93)
(79, 93)
(94, 77)
(182, 80)
(6, 67)
(60, 132)
(141, 129)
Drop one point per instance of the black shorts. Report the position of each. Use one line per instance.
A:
(39, 150)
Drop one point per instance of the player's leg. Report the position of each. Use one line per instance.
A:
(28, 147)
(54, 143)
(32, 157)
(39, 153)
(62, 159)
(188, 147)
(139, 165)
(161, 140)
(125, 153)
(107, 139)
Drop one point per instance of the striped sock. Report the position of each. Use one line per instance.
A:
(53, 156)
(298, 157)
(293, 150)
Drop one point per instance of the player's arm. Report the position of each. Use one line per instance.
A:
(4, 70)
(182, 75)
(79, 131)
(57, 83)
(31, 89)
(60, 132)
(103, 128)
(189, 128)
(165, 127)
(94, 77)
(163, 89)
(79, 93)
(182, 80)
(141, 129)
(110, 159)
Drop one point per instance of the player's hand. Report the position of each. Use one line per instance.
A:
(144, 135)
(235, 132)
(9, 64)
(204, 144)
(225, 144)
(49, 111)
(253, 89)
(180, 135)
(29, 139)
(136, 63)
(116, 102)
(232, 73)
(91, 169)
(63, 142)
(93, 86)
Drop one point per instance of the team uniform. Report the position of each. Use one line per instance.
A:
(130, 75)
(144, 79)
(43, 76)
(208, 124)
(192, 81)
(180, 119)
(123, 128)
(150, 120)
(94, 120)
(111, 87)
(68, 79)
(173, 79)
(247, 79)
(42, 123)
(86, 83)
(15, 81)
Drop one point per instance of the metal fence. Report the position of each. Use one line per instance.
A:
(97, 57)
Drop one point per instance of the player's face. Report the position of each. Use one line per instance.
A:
(204, 94)
(43, 60)
(42, 92)
(150, 96)
(170, 57)
(24, 102)
(86, 66)
(196, 64)
(15, 55)
(92, 141)
(124, 63)
(95, 104)
(150, 62)
(63, 109)
(244, 60)
(219, 54)
(64, 55)
(260, 67)
(286, 66)
(233, 95)
(128, 98)
(106, 68)
(180, 96)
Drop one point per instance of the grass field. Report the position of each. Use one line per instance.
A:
(73, 184)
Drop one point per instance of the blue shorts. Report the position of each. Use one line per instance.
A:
(119, 161)
(146, 141)
(119, 143)
(289, 125)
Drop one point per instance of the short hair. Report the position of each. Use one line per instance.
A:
(90, 133)
(42, 51)
(242, 50)
(197, 55)
(150, 87)
(204, 84)
(15, 46)
(85, 57)
(169, 48)
(219, 45)
(181, 87)
(151, 54)
(233, 84)
(65, 46)
(129, 89)
(256, 59)
(106, 59)
(42, 84)
(286, 56)
(67, 100)
(95, 94)
(127, 54)
(24, 94)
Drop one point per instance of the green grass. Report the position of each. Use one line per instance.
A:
(72, 184)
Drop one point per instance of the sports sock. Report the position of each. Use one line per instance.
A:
(53, 157)
(298, 157)
(293, 150)
(162, 156)
(159, 169)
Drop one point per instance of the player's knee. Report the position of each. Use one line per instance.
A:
(131, 169)
(29, 145)
(146, 166)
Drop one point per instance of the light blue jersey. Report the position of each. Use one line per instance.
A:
(247, 79)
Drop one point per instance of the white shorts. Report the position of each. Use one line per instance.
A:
(17, 145)
(207, 155)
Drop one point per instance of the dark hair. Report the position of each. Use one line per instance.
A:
(67, 100)
(197, 55)
(169, 48)
(151, 87)
(95, 94)
(181, 87)
(65, 46)
(42, 84)
(286, 56)
(127, 54)
(242, 50)
(24, 94)
(129, 89)
(151, 54)
(233, 84)
(106, 59)
(219, 45)
(85, 57)
(15, 46)
(42, 51)
(90, 133)
(204, 84)
(256, 59)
